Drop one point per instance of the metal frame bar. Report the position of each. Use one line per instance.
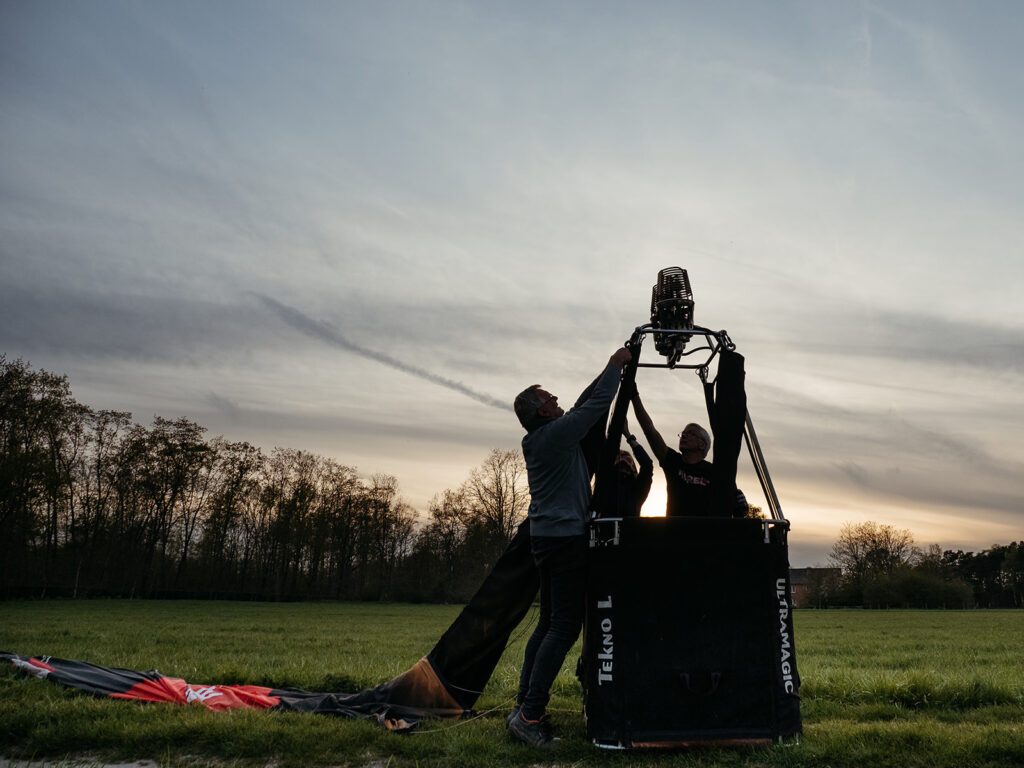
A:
(720, 339)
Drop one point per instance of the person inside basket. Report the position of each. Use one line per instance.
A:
(688, 473)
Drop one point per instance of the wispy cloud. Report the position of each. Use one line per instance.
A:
(883, 455)
(324, 332)
(124, 326)
(226, 406)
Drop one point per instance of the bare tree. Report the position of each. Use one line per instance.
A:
(497, 493)
(868, 549)
(333, 536)
(443, 537)
(40, 427)
(96, 477)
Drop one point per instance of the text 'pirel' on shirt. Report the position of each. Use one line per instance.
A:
(688, 485)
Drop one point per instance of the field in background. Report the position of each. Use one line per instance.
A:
(886, 688)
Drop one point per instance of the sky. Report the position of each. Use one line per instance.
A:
(361, 228)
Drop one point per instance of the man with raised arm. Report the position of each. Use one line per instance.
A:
(688, 474)
(559, 482)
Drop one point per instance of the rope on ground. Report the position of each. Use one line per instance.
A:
(510, 700)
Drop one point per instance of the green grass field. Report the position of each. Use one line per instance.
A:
(894, 688)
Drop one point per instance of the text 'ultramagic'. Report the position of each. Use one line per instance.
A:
(784, 643)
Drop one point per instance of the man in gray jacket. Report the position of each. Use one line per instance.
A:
(559, 504)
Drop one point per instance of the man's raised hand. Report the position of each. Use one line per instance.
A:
(620, 357)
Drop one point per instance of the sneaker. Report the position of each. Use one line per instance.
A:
(536, 733)
(511, 715)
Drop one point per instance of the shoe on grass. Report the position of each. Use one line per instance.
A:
(513, 714)
(536, 733)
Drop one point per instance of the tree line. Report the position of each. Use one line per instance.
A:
(880, 566)
(92, 503)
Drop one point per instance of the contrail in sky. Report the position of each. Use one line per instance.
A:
(324, 332)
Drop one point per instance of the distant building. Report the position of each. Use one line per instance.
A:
(802, 580)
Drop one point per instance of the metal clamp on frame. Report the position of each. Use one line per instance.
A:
(599, 537)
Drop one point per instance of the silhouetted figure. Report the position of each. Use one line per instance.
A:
(688, 475)
(559, 481)
(632, 484)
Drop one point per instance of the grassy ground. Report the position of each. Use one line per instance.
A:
(895, 688)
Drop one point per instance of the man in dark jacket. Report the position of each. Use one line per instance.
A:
(559, 482)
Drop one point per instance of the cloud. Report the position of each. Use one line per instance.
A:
(881, 454)
(230, 409)
(856, 473)
(55, 319)
(826, 322)
(345, 431)
(926, 338)
(324, 332)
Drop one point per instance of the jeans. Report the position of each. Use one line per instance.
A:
(561, 561)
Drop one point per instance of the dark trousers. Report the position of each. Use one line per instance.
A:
(561, 561)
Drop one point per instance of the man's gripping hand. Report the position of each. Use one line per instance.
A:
(620, 357)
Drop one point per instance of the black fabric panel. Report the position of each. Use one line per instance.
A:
(379, 701)
(593, 442)
(708, 388)
(727, 421)
(682, 633)
(467, 653)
